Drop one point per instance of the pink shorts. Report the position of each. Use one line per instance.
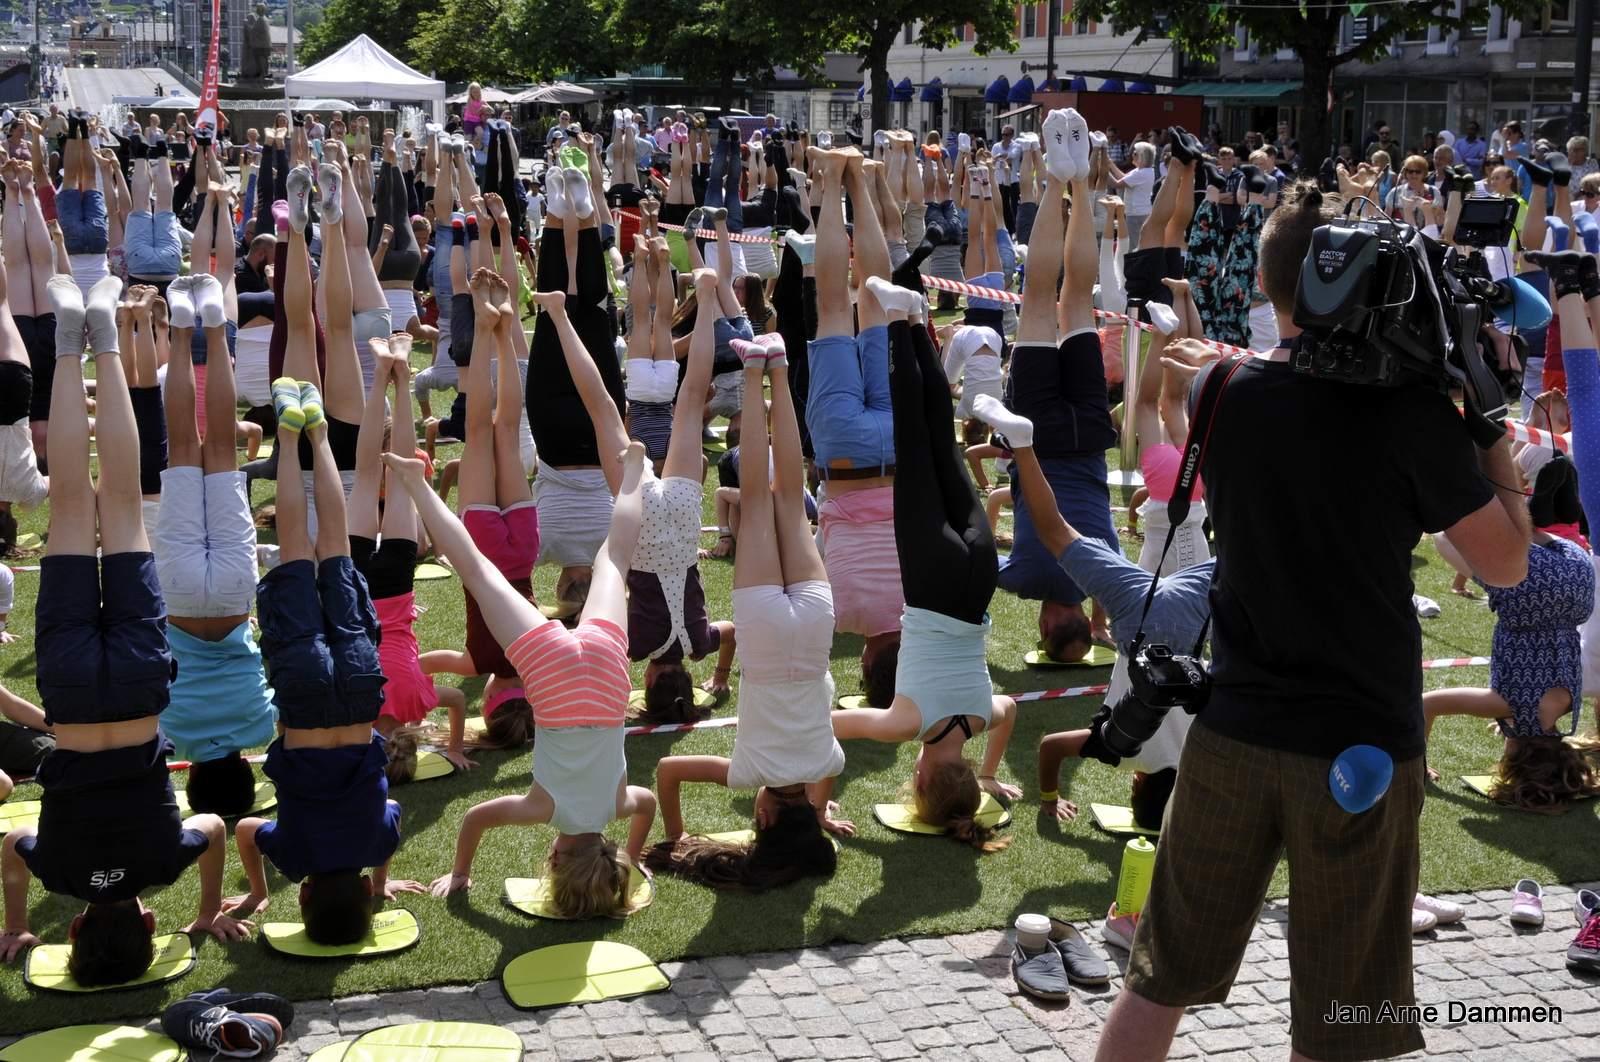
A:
(509, 538)
(409, 694)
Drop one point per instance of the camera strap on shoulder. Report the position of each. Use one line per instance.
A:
(1194, 450)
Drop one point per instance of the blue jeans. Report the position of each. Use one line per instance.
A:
(152, 245)
(727, 329)
(848, 410)
(82, 214)
(319, 635)
(723, 190)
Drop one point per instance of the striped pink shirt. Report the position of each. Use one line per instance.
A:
(577, 677)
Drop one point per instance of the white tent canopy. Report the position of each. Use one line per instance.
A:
(363, 69)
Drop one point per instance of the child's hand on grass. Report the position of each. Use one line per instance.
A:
(6, 637)
(444, 886)
(999, 789)
(1065, 810)
(240, 906)
(221, 926)
(459, 758)
(14, 943)
(393, 888)
(842, 827)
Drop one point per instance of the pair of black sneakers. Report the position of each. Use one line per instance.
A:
(233, 1024)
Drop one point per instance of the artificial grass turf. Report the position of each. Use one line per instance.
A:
(888, 884)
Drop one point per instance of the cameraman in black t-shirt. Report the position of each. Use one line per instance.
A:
(1316, 649)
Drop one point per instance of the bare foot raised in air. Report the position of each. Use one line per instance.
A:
(485, 307)
(497, 210)
(552, 302)
(408, 471)
(500, 292)
(1178, 285)
(400, 346)
(383, 358)
(705, 280)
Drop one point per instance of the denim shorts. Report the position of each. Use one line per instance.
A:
(82, 214)
(848, 410)
(729, 329)
(151, 244)
(101, 635)
(319, 635)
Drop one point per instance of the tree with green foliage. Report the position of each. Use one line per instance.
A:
(389, 22)
(802, 35)
(701, 41)
(467, 40)
(566, 37)
(1311, 29)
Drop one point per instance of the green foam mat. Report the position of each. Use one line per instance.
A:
(94, 1043)
(391, 931)
(1098, 656)
(855, 700)
(435, 1041)
(748, 836)
(1478, 783)
(330, 1052)
(14, 813)
(29, 541)
(266, 798)
(1113, 819)
(583, 972)
(46, 966)
(702, 699)
(530, 895)
(903, 817)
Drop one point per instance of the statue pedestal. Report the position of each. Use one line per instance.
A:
(250, 89)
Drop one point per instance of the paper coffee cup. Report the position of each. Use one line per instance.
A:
(1033, 931)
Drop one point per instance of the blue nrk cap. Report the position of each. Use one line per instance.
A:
(1359, 776)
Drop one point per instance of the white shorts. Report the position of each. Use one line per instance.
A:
(251, 373)
(150, 514)
(727, 399)
(205, 543)
(785, 632)
(759, 259)
(652, 381)
(88, 270)
(402, 306)
(20, 481)
(970, 390)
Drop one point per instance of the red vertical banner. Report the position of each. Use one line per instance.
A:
(205, 118)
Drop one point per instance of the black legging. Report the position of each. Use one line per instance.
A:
(560, 424)
(500, 178)
(392, 204)
(794, 297)
(271, 185)
(150, 418)
(940, 528)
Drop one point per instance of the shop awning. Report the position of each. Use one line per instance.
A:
(1022, 91)
(904, 91)
(1240, 90)
(933, 91)
(997, 92)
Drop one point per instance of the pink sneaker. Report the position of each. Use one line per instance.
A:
(680, 133)
(1527, 903)
(1443, 911)
(1119, 930)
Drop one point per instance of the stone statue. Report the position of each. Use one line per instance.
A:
(255, 64)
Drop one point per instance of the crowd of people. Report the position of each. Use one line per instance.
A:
(693, 272)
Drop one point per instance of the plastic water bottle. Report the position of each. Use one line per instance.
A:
(1133, 883)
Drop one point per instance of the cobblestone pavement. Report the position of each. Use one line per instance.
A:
(951, 999)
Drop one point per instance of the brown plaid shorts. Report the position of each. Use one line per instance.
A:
(1237, 808)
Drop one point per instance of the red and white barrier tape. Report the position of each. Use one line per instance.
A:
(1538, 436)
(709, 234)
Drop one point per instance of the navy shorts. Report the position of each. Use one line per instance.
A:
(39, 340)
(319, 635)
(1063, 391)
(101, 632)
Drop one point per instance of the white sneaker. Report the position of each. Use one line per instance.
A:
(1584, 905)
(1422, 921)
(1057, 160)
(1426, 607)
(1119, 930)
(1443, 910)
(1078, 142)
(1527, 904)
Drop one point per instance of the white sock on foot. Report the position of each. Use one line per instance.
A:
(1078, 143)
(1162, 316)
(332, 205)
(180, 302)
(1057, 159)
(555, 193)
(66, 302)
(1018, 430)
(299, 187)
(578, 193)
(891, 296)
(100, 315)
(208, 303)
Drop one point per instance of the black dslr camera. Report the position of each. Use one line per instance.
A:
(1160, 680)
(1380, 303)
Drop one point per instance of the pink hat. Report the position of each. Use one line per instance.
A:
(502, 697)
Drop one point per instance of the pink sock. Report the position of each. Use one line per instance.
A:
(777, 353)
(752, 354)
(280, 217)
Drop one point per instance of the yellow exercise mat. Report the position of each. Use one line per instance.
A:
(749, 836)
(391, 931)
(1113, 819)
(266, 797)
(903, 817)
(47, 965)
(531, 896)
(855, 700)
(583, 972)
(1478, 783)
(330, 1052)
(431, 765)
(14, 813)
(94, 1043)
(702, 699)
(435, 1041)
(33, 541)
(720, 446)
(431, 571)
(1098, 656)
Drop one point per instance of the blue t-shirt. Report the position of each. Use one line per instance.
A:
(1178, 612)
(1079, 483)
(220, 700)
(334, 811)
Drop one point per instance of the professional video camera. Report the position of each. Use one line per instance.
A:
(1380, 303)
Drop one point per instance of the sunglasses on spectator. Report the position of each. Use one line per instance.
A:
(1416, 171)
(1590, 195)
